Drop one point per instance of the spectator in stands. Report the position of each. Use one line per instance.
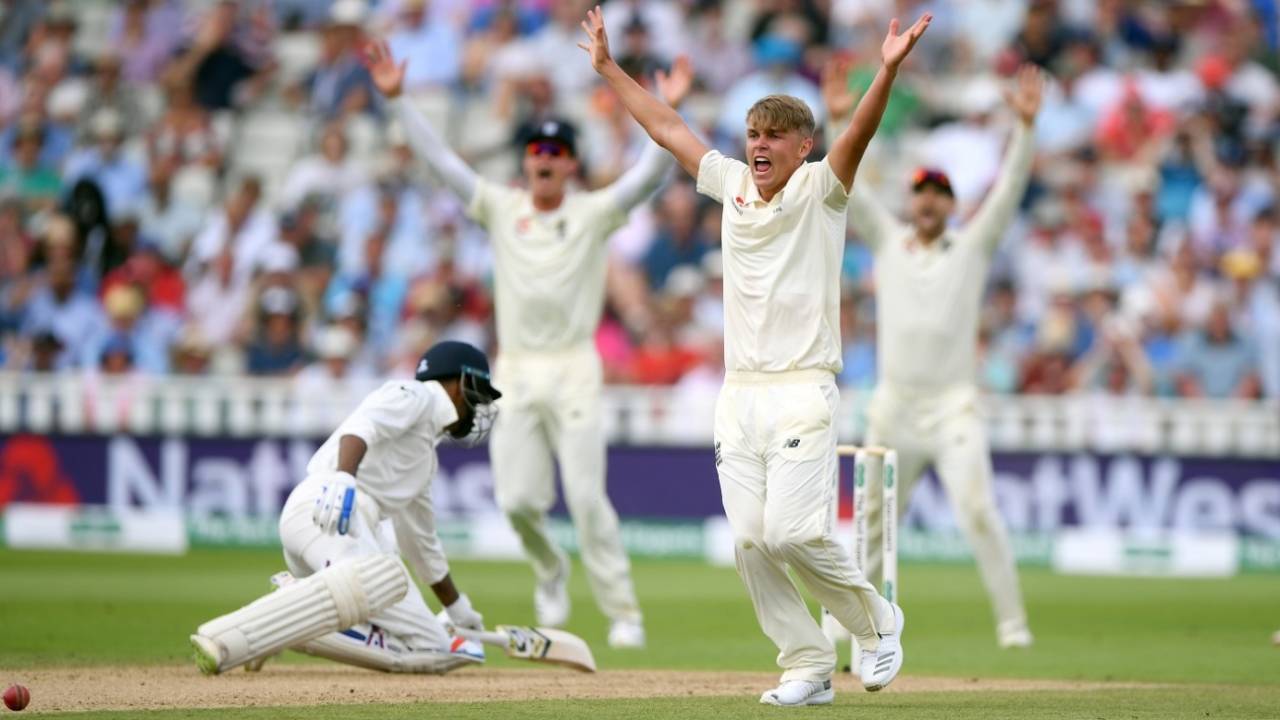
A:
(779, 60)
(147, 270)
(1132, 131)
(1181, 290)
(243, 229)
(678, 240)
(106, 88)
(384, 284)
(326, 176)
(659, 359)
(58, 307)
(277, 350)
(23, 176)
(394, 203)
(335, 347)
(54, 113)
(339, 86)
(17, 23)
(168, 221)
(434, 44)
(221, 72)
(1043, 37)
(719, 59)
(1114, 364)
(147, 331)
(556, 46)
(45, 350)
(191, 352)
(1214, 361)
(218, 298)
(122, 180)
(144, 35)
(300, 230)
(185, 133)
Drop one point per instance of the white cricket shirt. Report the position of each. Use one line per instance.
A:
(781, 266)
(928, 297)
(549, 267)
(402, 422)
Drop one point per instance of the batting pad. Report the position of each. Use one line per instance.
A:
(333, 599)
(350, 651)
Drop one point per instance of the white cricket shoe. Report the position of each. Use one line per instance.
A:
(1014, 636)
(626, 635)
(551, 600)
(879, 668)
(794, 693)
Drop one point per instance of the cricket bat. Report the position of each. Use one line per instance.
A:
(537, 644)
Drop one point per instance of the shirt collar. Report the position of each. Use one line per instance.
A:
(753, 193)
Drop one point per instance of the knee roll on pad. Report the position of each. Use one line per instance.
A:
(333, 599)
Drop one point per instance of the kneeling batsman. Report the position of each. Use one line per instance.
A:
(365, 504)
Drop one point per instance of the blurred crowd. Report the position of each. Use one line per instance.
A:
(214, 186)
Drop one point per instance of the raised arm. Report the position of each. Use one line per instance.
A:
(846, 152)
(660, 120)
(441, 160)
(872, 221)
(643, 178)
(993, 216)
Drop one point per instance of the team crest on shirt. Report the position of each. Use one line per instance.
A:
(523, 224)
(738, 203)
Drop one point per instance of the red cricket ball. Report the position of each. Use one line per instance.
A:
(16, 697)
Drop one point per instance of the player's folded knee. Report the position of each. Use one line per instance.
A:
(790, 541)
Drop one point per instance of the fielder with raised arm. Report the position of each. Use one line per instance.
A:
(929, 283)
(550, 257)
(775, 438)
(366, 502)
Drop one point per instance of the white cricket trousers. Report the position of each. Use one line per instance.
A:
(308, 550)
(551, 406)
(775, 444)
(945, 430)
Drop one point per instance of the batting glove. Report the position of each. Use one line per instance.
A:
(335, 509)
(462, 615)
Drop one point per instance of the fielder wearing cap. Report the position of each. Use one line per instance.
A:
(930, 279)
(366, 503)
(783, 228)
(550, 255)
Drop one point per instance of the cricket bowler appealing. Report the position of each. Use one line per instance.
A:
(550, 257)
(929, 284)
(365, 504)
(775, 437)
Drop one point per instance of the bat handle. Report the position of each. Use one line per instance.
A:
(488, 637)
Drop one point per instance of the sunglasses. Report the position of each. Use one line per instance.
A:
(925, 176)
(545, 147)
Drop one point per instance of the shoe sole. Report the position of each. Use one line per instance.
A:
(206, 655)
(896, 665)
(826, 697)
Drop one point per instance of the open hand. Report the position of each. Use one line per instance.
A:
(387, 74)
(835, 87)
(674, 85)
(597, 45)
(896, 47)
(1026, 95)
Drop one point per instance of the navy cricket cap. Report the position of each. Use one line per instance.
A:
(555, 130)
(450, 359)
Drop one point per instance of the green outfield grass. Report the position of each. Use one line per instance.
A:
(80, 609)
